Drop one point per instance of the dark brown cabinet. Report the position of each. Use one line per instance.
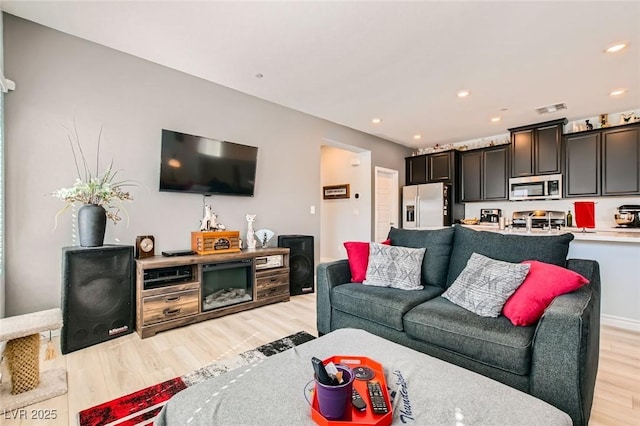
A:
(620, 161)
(441, 166)
(496, 173)
(536, 149)
(603, 162)
(484, 174)
(582, 165)
(430, 168)
(471, 176)
(416, 170)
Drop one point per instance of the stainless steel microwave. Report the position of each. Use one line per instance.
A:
(543, 187)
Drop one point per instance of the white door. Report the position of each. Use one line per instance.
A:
(386, 202)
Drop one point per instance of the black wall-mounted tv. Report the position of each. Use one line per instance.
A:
(206, 166)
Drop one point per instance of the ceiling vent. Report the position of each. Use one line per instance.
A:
(551, 108)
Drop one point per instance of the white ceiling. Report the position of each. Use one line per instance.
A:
(404, 62)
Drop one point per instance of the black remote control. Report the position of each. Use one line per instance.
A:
(357, 400)
(378, 403)
(321, 373)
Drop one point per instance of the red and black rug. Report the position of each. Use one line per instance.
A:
(141, 407)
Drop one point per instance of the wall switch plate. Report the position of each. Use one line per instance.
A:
(312, 210)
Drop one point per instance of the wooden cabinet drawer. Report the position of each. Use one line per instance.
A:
(170, 306)
(273, 285)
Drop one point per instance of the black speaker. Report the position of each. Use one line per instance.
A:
(301, 263)
(97, 295)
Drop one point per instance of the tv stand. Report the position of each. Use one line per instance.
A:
(170, 291)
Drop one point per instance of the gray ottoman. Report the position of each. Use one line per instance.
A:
(428, 391)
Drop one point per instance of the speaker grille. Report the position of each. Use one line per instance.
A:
(301, 262)
(97, 295)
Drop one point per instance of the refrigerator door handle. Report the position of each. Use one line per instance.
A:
(417, 211)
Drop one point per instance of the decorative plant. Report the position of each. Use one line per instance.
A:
(94, 188)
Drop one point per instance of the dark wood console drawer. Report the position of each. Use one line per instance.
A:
(273, 285)
(170, 306)
(273, 291)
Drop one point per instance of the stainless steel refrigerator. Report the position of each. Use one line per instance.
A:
(427, 205)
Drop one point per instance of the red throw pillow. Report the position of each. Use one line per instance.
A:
(358, 256)
(543, 283)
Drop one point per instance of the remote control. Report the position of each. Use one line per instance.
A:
(357, 400)
(376, 397)
(321, 373)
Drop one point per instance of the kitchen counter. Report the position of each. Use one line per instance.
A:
(619, 235)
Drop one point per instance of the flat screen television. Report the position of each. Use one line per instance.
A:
(206, 166)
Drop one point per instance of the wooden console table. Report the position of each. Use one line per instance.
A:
(172, 301)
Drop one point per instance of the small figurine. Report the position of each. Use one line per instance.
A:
(251, 239)
(210, 220)
(626, 118)
(589, 125)
(604, 120)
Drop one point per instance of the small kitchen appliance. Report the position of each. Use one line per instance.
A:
(628, 216)
(545, 187)
(490, 215)
(538, 219)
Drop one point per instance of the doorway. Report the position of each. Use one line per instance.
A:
(387, 201)
(345, 219)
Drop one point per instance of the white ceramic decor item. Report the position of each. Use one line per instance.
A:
(251, 239)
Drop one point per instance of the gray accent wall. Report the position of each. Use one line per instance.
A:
(62, 79)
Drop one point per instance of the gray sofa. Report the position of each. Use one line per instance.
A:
(555, 360)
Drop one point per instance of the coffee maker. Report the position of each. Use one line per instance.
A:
(490, 215)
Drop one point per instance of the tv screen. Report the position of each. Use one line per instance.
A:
(206, 166)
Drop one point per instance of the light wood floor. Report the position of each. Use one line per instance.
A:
(127, 364)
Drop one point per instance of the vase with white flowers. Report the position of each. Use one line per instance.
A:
(101, 195)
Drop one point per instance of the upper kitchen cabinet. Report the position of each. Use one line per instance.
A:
(603, 162)
(582, 165)
(621, 161)
(536, 149)
(484, 174)
(416, 169)
(438, 167)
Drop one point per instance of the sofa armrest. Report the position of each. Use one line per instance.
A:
(566, 347)
(329, 275)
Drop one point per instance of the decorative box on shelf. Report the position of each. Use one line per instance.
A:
(211, 242)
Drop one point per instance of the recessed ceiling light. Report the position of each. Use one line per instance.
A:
(615, 47)
(617, 92)
(463, 93)
(417, 137)
(495, 119)
(259, 75)
(376, 120)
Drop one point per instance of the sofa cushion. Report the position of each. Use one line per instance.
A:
(485, 284)
(382, 305)
(358, 256)
(394, 266)
(543, 283)
(438, 243)
(492, 341)
(509, 248)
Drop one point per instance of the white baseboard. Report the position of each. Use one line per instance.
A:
(619, 322)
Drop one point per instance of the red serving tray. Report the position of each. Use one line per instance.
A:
(352, 416)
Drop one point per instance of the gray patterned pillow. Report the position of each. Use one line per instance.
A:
(394, 266)
(485, 284)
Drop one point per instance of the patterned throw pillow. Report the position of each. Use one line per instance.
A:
(394, 266)
(485, 284)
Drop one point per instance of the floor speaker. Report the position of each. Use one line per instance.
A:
(301, 262)
(97, 295)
